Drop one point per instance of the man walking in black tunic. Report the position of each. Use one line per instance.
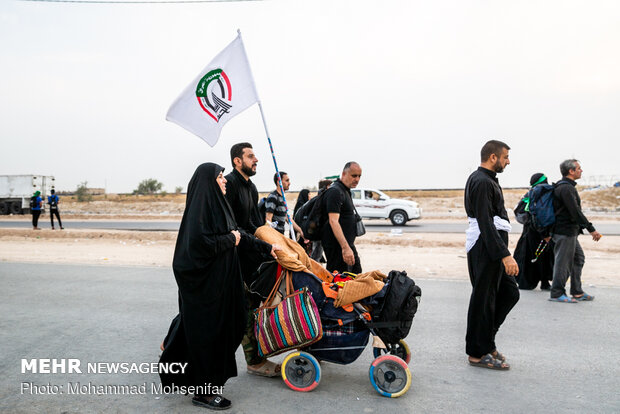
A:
(491, 267)
(242, 196)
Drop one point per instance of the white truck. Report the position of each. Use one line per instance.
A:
(373, 204)
(16, 190)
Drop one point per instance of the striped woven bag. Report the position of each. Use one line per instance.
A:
(293, 323)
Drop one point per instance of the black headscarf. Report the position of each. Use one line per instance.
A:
(207, 213)
(302, 199)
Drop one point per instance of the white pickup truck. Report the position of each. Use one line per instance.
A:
(373, 204)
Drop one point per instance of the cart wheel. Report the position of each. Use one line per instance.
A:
(301, 371)
(401, 350)
(390, 376)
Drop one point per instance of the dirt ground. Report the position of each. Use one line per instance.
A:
(425, 256)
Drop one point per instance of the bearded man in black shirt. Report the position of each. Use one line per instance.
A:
(491, 267)
(242, 196)
(338, 238)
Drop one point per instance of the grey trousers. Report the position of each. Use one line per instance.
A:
(569, 261)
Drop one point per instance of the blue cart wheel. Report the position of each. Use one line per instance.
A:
(301, 371)
(390, 376)
(401, 350)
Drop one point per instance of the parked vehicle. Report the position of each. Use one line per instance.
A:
(16, 190)
(373, 204)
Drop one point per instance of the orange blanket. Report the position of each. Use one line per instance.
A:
(292, 256)
(364, 285)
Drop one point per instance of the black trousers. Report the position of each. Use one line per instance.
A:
(35, 217)
(493, 295)
(333, 253)
(54, 211)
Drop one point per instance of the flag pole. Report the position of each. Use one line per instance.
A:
(273, 155)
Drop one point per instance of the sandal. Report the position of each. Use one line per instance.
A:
(498, 355)
(216, 403)
(487, 361)
(268, 369)
(563, 299)
(584, 298)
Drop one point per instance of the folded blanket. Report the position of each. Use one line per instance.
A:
(292, 256)
(364, 285)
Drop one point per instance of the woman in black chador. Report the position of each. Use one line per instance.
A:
(530, 274)
(212, 311)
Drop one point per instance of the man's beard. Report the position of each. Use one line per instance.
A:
(498, 167)
(248, 170)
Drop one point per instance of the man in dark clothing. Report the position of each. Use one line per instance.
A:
(339, 233)
(36, 209)
(53, 201)
(569, 223)
(494, 291)
(242, 196)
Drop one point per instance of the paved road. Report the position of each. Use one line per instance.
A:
(606, 228)
(563, 356)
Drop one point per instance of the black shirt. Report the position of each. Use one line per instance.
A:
(242, 196)
(569, 220)
(483, 200)
(337, 199)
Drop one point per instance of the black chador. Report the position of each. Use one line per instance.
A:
(494, 293)
(541, 270)
(212, 312)
(531, 246)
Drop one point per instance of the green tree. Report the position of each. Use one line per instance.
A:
(148, 186)
(177, 190)
(82, 192)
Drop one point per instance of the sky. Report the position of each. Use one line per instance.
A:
(410, 90)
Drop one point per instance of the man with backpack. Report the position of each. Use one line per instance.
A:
(53, 200)
(340, 229)
(35, 209)
(491, 267)
(569, 223)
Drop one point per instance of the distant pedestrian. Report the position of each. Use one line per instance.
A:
(35, 209)
(569, 224)
(53, 201)
(275, 208)
(491, 267)
(534, 251)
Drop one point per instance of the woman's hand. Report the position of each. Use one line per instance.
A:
(237, 237)
(275, 248)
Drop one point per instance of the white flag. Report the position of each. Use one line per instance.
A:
(222, 90)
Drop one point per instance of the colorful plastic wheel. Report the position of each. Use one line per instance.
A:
(390, 376)
(401, 350)
(301, 371)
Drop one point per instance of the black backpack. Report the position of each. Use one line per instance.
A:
(310, 218)
(53, 202)
(33, 202)
(393, 319)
